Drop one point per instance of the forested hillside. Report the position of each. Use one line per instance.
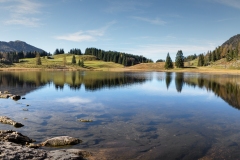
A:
(117, 57)
(229, 50)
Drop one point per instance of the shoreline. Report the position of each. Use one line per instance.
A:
(131, 69)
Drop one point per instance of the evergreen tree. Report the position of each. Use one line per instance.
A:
(201, 60)
(179, 61)
(237, 50)
(230, 55)
(160, 60)
(57, 51)
(209, 56)
(168, 63)
(73, 59)
(224, 51)
(214, 56)
(38, 59)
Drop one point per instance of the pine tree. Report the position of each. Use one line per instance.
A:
(201, 60)
(57, 51)
(237, 50)
(214, 56)
(38, 59)
(168, 63)
(73, 59)
(179, 61)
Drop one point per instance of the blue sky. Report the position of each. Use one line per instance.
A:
(151, 28)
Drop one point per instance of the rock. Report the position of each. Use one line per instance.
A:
(6, 120)
(13, 136)
(6, 92)
(25, 109)
(85, 120)
(74, 154)
(23, 98)
(10, 150)
(5, 95)
(15, 97)
(14, 151)
(61, 141)
(32, 145)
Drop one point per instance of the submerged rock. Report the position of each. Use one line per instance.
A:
(85, 120)
(6, 94)
(10, 150)
(15, 97)
(14, 136)
(7, 120)
(73, 154)
(61, 141)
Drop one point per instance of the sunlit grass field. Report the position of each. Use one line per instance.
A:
(57, 62)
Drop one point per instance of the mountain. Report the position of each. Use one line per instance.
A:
(234, 41)
(18, 46)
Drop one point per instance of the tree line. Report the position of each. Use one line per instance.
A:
(228, 52)
(13, 57)
(117, 57)
(74, 51)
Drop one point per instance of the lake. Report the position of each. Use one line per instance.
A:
(136, 115)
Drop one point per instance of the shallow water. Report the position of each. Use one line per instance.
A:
(151, 115)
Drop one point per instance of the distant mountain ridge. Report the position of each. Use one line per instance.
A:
(18, 46)
(234, 41)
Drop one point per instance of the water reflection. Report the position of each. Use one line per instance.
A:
(91, 80)
(130, 121)
(168, 79)
(226, 87)
(179, 81)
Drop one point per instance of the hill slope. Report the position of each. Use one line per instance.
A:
(18, 46)
(234, 41)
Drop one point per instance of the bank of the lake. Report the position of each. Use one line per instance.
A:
(207, 70)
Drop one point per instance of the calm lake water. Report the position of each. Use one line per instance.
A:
(150, 115)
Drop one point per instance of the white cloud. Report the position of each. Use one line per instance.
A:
(22, 12)
(231, 3)
(155, 21)
(73, 100)
(125, 6)
(77, 37)
(89, 35)
(30, 22)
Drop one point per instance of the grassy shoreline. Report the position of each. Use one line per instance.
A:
(131, 69)
(91, 63)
